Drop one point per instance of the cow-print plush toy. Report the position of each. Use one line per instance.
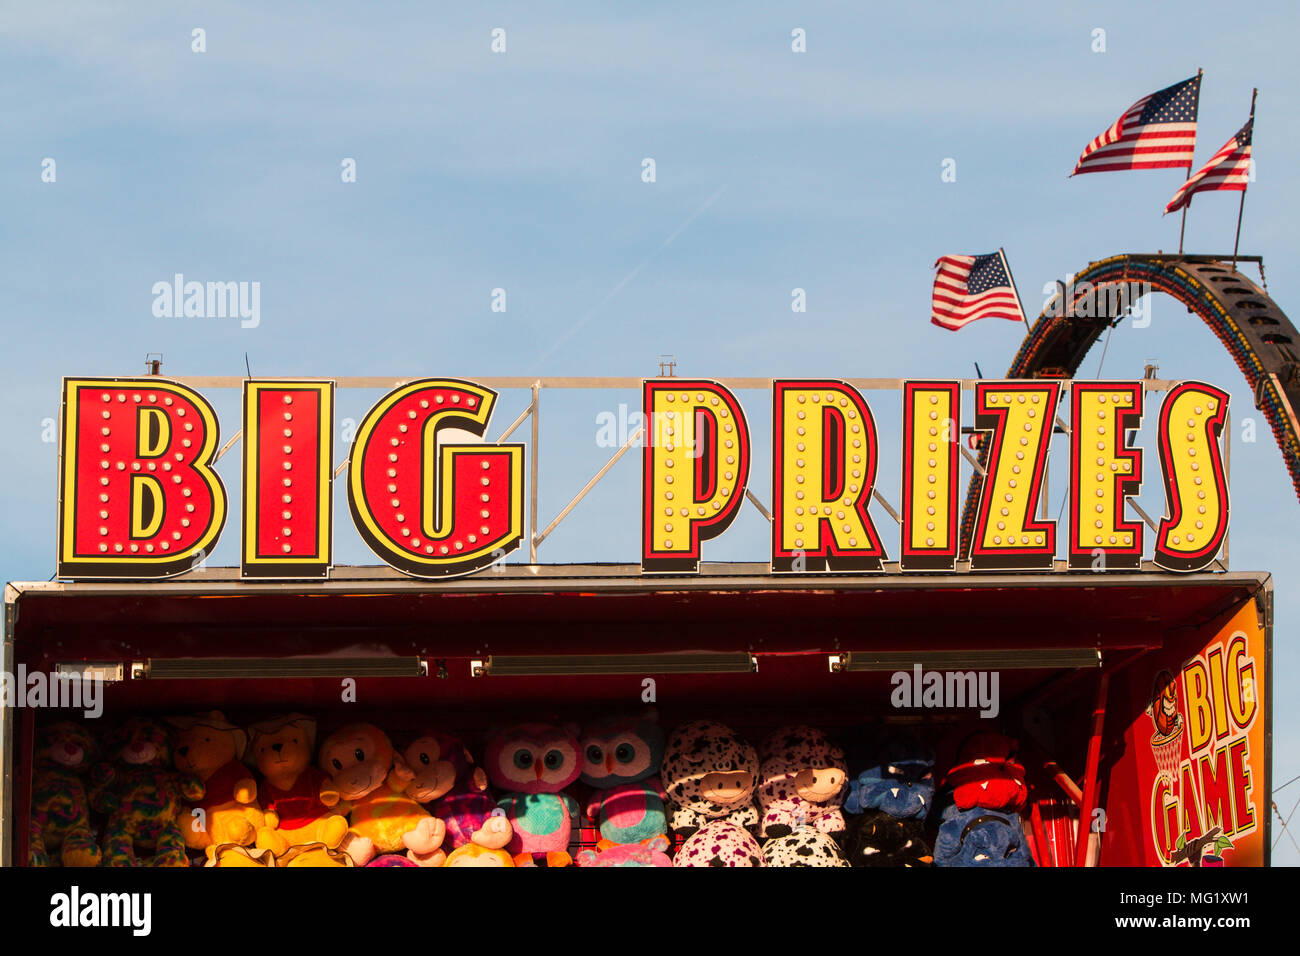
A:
(806, 847)
(709, 772)
(879, 839)
(801, 782)
(720, 843)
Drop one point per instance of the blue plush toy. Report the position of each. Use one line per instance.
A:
(980, 837)
(900, 783)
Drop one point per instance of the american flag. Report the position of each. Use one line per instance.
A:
(967, 288)
(1156, 132)
(1229, 168)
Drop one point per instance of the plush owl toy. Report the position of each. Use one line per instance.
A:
(532, 764)
(710, 773)
(801, 782)
(620, 760)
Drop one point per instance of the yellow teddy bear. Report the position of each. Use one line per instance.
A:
(296, 796)
(210, 747)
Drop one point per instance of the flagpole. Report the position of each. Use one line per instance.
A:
(1183, 227)
(1241, 207)
(1015, 288)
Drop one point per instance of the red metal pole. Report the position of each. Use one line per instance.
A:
(1090, 773)
(1045, 855)
(1062, 779)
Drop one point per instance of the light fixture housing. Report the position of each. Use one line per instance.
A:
(106, 672)
(580, 665)
(240, 668)
(1051, 658)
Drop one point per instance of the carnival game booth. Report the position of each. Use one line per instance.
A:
(960, 695)
(1083, 668)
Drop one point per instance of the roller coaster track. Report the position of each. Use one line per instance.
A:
(1256, 333)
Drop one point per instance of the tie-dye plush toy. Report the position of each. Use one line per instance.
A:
(533, 763)
(621, 756)
(801, 782)
(142, 796)
(980, 837)
(60, 817)
(709, 773)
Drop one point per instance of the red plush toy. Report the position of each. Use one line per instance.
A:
(987, 774)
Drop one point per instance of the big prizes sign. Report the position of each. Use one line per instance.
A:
(139, 496)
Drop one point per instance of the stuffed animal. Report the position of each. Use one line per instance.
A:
(987, 774)
(233, 855)
(720, 843)
(900, 781)
(143, 797)
(392, 859)
(709, 773)
(878, 838)
(801, 782)
(318, 855)
(805, 847)
(620, 760)
(533, 763)
(369, 780)
(211, 748)
(474, 854)
(60, 813)
(291, 788)
(980, 837)
(650, 853)
(455, 791)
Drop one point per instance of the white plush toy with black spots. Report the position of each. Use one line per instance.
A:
(720, 843)
(802, 782)
(806, 847)
(709, 773)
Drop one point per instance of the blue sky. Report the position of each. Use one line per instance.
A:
(522, 171)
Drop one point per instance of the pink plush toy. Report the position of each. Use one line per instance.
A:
(651, 853)
(455, 791)
(534, 763)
